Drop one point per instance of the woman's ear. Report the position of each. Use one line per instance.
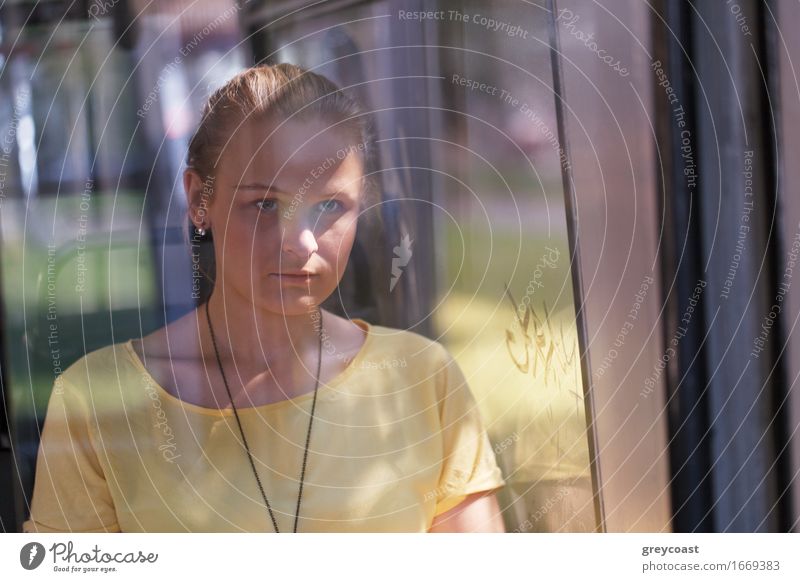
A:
(198, 196)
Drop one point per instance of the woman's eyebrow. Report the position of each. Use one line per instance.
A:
(336, 191)
(260, 187)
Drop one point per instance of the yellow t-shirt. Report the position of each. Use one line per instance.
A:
(397, 439)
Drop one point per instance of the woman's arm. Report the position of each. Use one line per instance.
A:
(479, 512)
(70, 491)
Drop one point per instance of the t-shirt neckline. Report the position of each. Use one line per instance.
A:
(330, 385)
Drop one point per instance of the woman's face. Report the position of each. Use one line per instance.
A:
(283, 213)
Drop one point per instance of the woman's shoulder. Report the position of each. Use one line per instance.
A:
(408, 358)
(389, 342)
(98, 366)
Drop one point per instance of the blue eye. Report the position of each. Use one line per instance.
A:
(330, 206)
(267, 204)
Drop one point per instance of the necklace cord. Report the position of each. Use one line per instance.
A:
(241, 431)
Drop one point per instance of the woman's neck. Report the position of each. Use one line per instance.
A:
(252, 336)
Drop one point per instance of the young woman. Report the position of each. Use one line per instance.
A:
(259, 411)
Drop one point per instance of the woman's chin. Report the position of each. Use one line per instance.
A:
(290, 306)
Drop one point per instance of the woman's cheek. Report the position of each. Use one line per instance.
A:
(266, 228)
(350, 235)
(339, 240)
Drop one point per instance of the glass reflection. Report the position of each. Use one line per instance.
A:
(476, 236)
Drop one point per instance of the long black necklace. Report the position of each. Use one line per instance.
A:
(244, 440)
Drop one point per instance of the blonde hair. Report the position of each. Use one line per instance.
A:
(276, 92)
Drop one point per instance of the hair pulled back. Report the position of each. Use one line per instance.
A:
(276, 92)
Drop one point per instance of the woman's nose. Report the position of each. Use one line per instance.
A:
(298, 238)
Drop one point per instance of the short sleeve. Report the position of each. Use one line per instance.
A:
(70, 493)
(469, 463)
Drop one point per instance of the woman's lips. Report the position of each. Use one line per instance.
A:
(296, 277)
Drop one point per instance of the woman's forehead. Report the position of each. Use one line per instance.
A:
(342, 176)
(289, 142)
(294, 152)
